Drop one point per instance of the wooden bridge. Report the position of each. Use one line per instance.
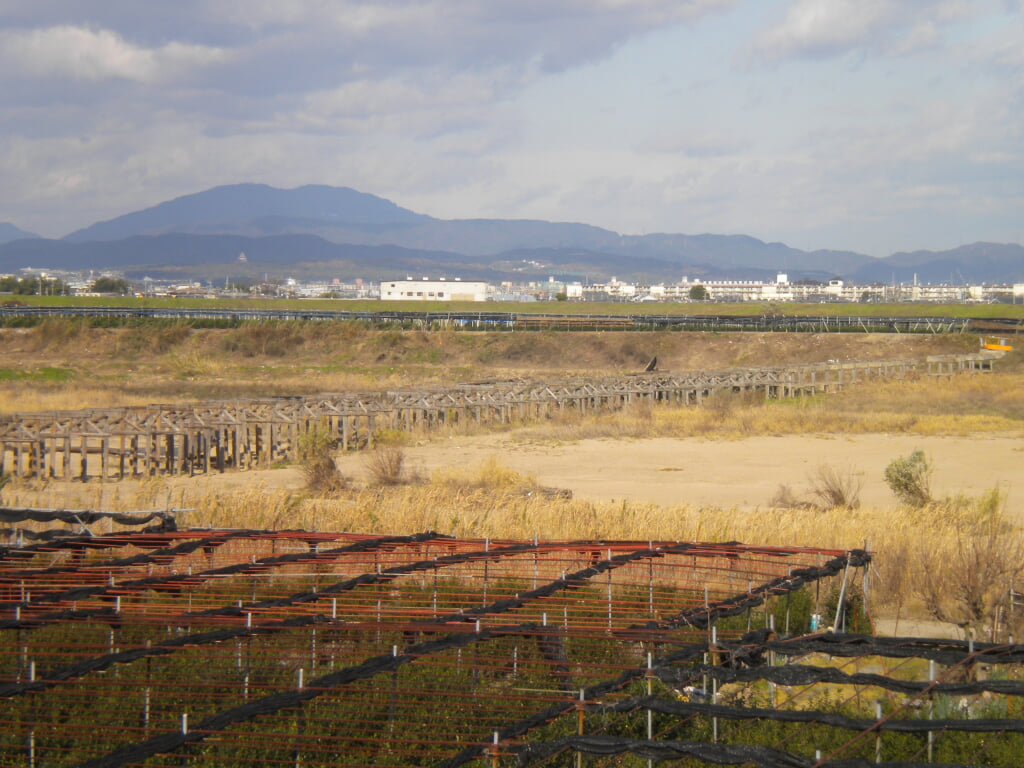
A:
(154, 440)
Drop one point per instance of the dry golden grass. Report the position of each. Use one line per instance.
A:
(953, 560)
(18, 398)
(963, 405)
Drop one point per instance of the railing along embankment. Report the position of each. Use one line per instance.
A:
(248, 434)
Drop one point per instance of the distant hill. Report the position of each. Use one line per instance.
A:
(233, 209)
(219, 255)
(975, 263)
(321, 231)
(9, 232)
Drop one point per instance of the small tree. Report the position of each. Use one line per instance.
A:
(110, 285)
(909, 478)
(698, 293)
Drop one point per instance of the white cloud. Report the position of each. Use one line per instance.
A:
(824, 28)
(80, 53)
(453, 108)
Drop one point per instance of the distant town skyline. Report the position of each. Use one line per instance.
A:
(872, 126)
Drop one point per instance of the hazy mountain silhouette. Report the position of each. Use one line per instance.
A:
(229, 209)
(342, 232)
(9, 232)
(974, 263)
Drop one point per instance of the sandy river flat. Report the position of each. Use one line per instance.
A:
(736, 473)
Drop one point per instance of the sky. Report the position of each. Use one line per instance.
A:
(875, 126)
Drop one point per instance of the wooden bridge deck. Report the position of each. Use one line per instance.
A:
(245, 434)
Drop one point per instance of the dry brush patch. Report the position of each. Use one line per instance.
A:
(907, 407)
(954, 560)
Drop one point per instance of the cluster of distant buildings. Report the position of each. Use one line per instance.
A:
(779, 290)
(782, 289)
(425, 289)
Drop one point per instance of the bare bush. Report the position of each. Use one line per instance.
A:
(323, 476)
(386, 464)
(969, 580)
(835, 489)
(786, 498)
(316, 454)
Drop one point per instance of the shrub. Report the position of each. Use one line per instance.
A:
(387, 465)
(323, 476)
(786, 498)
(909, 478)
(316, 449)
(834, 489)
(973, 576)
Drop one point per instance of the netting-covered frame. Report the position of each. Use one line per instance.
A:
(257, 647)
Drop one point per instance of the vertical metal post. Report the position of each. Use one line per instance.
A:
(866, 586)
(788, 594)
(931, 711)
(878, 733)
(650, 584)
(750, 589)
(650, 692)
(579, 727)
(609, 592)
(840, 622)
(714, 720)
(487, 548)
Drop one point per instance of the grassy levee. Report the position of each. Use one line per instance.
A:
(171, 361)
(906, 309)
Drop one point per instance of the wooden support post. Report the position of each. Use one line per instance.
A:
(104, 459)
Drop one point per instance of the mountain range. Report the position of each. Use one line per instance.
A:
(9, 232)
(319, 232)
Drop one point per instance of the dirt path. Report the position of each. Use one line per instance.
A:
(740, 473)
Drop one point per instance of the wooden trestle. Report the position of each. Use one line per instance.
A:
(246, 434)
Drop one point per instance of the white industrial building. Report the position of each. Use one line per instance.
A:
(433, 290)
